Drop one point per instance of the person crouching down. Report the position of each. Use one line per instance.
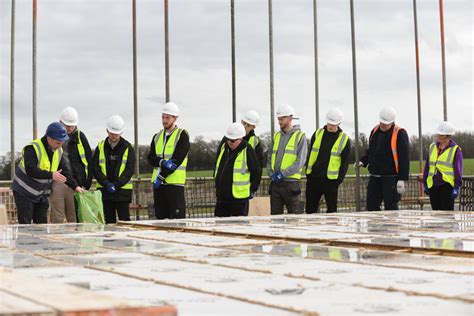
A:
(237, 173)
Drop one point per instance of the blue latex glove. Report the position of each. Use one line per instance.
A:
(111, 187)
(277, 177)
(252, 195)
(169, 164)
(455, 192)
(158, 182)
(427, 192)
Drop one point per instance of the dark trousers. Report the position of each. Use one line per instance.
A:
(382, 189)
(227, 209)
(440, 197)
(28, 211)
(287, 194)
(169, 202)
(112, 208)
(315, 190)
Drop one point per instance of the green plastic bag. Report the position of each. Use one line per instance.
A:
(89, 207)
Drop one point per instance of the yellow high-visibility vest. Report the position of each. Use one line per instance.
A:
(241, 174)
(82, 152)
(179, 174)
(444, 163)
(103, 166)
(335, 158)
(290, 156)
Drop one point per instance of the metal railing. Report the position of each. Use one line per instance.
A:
(201, 199)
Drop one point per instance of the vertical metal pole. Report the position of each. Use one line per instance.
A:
(135, 94)
(232, 31)
(272, 92)
(167, 56)
(35, 125)
(356, 114)
(443, 60)
(316, 66)
(418, 96)
(12, 93)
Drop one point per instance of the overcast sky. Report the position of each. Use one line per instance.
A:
(85, 60)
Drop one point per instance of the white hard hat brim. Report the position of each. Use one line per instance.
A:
(386, 121)
(114, 131)
(69, 123)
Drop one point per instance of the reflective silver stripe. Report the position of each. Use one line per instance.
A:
(335, 154)
(449, 173)
(315, 150)
(333, 172)
(444, 163)
(450, 155)
(42, 180)
(181, 168)
(341, 144)
(241, 183)
(432, 163)
(40, 154)
(293, 152)
(101, 160)
(27, 187)
(82, 156)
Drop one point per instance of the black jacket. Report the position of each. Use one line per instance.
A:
(113, 159)
(180, 152)
(224, 176)
(379, 156)
(75, 162)
(258, 148)
(320, 167)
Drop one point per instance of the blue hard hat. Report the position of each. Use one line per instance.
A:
(57, 131)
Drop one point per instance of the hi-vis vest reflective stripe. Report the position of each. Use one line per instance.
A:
(393, 142)
(179, 175)
(103, 165)
(82, 152)
(444, 163)
(290, 156)
(38, 187)
(253, 141)
(335, 158)
(241, 174)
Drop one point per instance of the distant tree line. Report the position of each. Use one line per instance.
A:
(202, 153)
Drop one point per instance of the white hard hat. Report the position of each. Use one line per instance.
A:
(170, 108)
(387, 115)
(445, 128)
(285, 110)
(235, 131)
(115, 124)
(251, 117)
(334, 116)
(69, 116)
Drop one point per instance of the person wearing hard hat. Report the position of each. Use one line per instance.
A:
(79, 160)
(388, 160)
(285, 162)
(42, 164)
(237, 173)
(250, 121)
(442, 176)
(113, 165)
(327, 163)
(169, 157)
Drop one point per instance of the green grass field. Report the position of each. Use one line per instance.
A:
(414, 169)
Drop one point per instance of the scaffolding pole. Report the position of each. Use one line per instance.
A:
(270, 46)
(12, 92)
(443, 60)
(167, 56)
(356, 118)
(316, 66)
(135, 92)
(232, 31)
(35, 122)
(418, 96)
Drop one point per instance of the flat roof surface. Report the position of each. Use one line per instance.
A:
(393, 263)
